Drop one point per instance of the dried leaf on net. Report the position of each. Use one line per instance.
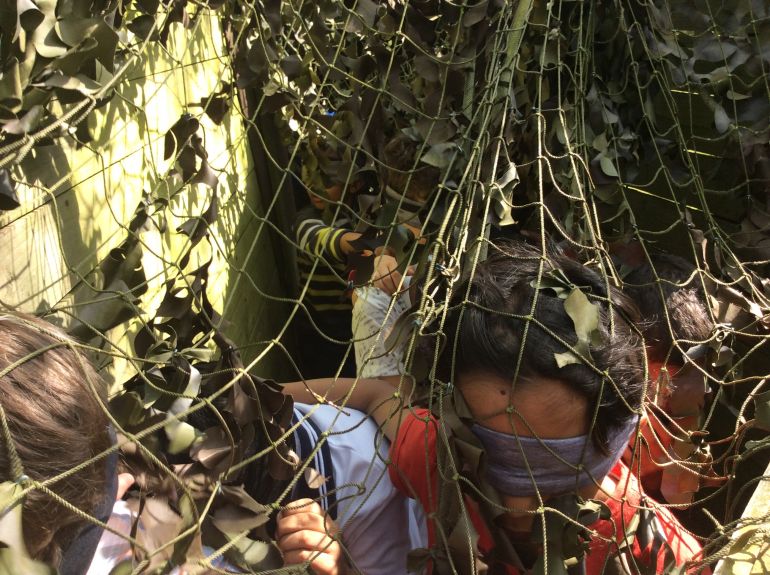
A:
(416, 85)
(60, 54)
(218, 104)
(52, 52)
(14, 557)
(433, 89)
(207, 414)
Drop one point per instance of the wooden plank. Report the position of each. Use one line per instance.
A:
(78, 201)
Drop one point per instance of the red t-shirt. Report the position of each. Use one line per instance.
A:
(414, 472)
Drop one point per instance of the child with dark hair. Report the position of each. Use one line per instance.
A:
(405, 179)
(674, 311)
(55, 418)
(324, 235)
(408, 184)
(541, 378)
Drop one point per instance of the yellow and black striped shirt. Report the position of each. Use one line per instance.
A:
(320, 240)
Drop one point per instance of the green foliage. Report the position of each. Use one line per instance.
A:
(588, 123)
(14, 557)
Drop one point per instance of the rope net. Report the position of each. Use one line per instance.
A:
(545, 220)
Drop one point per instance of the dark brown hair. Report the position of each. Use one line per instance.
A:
(54, 404)
(404, 174)
(483, 337)
(678, 294)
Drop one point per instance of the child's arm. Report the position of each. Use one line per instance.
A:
(381, 400)
(306, 534)
(317, 238)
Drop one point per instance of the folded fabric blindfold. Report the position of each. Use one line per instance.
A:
(78, 555)
(557, 466)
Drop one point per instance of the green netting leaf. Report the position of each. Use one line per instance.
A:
(143, 25)
(27, 123)
(762, 409)
(79, 83)
(148, 6)
(13, 563)
(313, 479)
(10, 515)
(755, 445)
(109, 308)
(721, 120)
(566, 358)
(127, 408)
(213, 449)
(233, 519)
(8, 198)
(198, 353)
(608, 166)
(256, 555)
(14, 557)
(10, 86)
(188, 511)
(554, 284)
(73, 30)
(217, 107)
(181, 436)
(29, 16)
(475, 13)
(440, 155)
(724, 356)
(206, 175)
(123, 568)
(179, 134)
(365, 12)
(44, 38)
(712, 49)
(585, 318)
(417, 559)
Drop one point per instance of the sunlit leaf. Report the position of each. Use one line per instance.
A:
(762, 409)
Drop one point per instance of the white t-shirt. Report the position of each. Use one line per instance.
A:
(374, 316)
(379, 525)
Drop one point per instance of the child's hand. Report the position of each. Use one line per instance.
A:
(386, 275)
(125, 481)
(305, 533)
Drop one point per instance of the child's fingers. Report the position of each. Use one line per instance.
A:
(302, 521)
(303, 546)
(302, 506)
(309, 540)
(304, 514)
(322, 564)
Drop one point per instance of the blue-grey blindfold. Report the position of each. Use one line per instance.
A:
(557, 466)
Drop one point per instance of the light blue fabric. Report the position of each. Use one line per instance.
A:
(555, 464)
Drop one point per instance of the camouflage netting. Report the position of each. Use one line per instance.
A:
(614, 131)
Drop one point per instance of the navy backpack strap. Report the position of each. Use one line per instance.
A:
(306, 437)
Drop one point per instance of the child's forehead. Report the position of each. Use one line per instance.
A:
(543, 407)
